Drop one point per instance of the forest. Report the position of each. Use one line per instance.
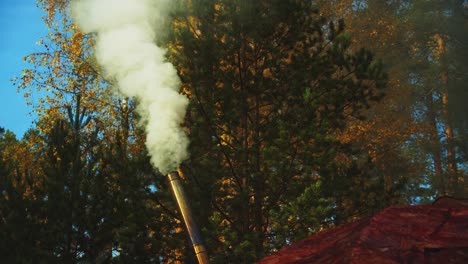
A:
(302, 115)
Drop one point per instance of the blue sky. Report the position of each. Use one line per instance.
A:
(20, 28)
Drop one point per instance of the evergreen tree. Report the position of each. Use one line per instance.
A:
(438, 66)
(271, 83)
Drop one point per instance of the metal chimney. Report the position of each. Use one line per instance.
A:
(194, 232)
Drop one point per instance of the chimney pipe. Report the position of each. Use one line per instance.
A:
(194, 232)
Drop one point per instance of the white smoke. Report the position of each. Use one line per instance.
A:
(126, 49)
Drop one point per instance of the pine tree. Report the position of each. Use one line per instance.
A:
(270, 84)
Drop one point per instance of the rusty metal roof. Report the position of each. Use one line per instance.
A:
(435, 233)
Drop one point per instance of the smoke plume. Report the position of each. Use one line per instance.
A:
(126, 50)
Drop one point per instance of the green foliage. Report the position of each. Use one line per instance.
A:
(287, 133)
(268, 96)
(84, 200)
(438, 63)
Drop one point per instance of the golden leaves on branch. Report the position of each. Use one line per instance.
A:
(64, 66)
(20, 159)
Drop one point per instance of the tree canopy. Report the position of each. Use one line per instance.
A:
(302, 115)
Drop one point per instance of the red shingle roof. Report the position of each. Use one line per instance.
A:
(400, 234)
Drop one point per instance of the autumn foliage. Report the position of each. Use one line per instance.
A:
(303, 115)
